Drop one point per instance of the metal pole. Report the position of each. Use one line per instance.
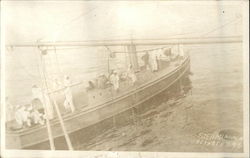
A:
(58, 113)
(62, 125)
(125, 42)
(51, 139)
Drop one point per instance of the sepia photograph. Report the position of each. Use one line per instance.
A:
(124, 79)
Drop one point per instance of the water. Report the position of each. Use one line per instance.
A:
(185, 123)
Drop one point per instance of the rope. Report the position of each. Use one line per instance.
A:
(61, 27)
(222, 26)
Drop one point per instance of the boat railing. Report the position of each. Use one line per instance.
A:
(64, 87)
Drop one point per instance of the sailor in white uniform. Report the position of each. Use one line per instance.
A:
(36, 117)
(68, 103)
(22, 116)
(131, 75)
(114, 80)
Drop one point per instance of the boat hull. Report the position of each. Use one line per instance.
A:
(87, 117)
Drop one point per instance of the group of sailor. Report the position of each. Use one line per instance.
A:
(113, 79)
(24, 115)
(41, 107)
(152, 60)
(27, 115)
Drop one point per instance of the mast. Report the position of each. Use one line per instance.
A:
(68, 141)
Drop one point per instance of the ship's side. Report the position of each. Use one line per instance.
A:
(99, 111)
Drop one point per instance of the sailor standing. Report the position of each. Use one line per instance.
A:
(131, 75)
(159, 55)
(68, 103)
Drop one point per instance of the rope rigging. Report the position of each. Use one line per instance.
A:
(143, 51)
(222, 26)
(63, 26)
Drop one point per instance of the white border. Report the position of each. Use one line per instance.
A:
(62, 154)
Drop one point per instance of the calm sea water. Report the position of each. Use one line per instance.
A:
(186, 123)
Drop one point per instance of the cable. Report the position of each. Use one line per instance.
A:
(222, 26)
(73, 20)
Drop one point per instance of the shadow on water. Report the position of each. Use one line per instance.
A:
(118, 126)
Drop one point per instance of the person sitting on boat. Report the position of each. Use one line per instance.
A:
(22, 116)
(114, 80)
(123, 76)
(68, 103)
(38, 105)
(44, 99)
(36, 117)
(131, 75)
